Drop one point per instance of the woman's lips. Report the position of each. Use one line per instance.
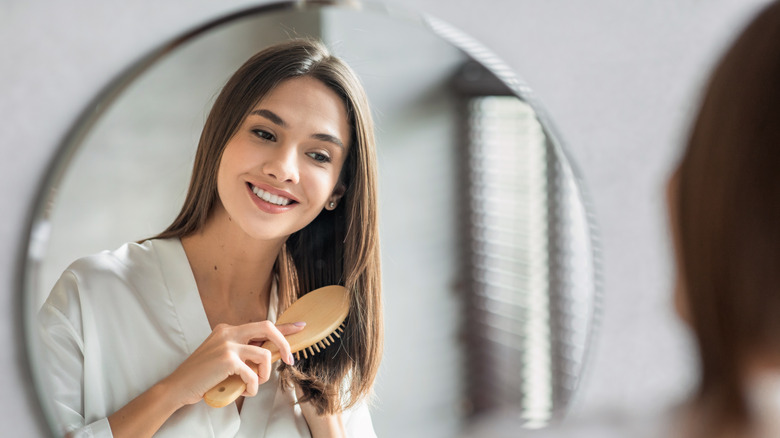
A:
(270, 197)
(271, 202)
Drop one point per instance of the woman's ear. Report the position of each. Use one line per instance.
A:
(335, 197)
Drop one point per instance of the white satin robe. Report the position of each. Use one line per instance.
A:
(118, 322)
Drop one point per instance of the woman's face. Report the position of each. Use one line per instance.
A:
(282, 166)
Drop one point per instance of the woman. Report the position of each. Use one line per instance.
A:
(282, 201)
(725, 213)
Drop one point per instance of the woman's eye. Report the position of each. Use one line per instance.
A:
(321, 158)
(265, 135)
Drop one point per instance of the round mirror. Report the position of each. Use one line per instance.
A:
(490, 280)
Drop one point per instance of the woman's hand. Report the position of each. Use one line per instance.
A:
(222, 354)
(321, 426)
(226, 352)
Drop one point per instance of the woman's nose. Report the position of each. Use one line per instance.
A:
(282, 164)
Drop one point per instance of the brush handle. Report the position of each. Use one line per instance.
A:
(227, 391)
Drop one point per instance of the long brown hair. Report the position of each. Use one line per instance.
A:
(727, 216)
(338, 247)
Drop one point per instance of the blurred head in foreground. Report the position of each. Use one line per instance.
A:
(724, 201)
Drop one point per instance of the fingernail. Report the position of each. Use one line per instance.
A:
(291, 359)
(299, 324)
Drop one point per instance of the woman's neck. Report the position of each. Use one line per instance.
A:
(233, 272)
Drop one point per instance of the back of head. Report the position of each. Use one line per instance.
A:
(728, 219)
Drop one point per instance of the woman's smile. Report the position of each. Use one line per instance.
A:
(271, 201)
(270, 197)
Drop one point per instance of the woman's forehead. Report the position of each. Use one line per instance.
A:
(305, 103)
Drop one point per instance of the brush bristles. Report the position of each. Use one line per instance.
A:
(321, 345)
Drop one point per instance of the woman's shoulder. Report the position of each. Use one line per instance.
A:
(131, 257)
(110, 272)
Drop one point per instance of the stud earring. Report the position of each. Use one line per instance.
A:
(332, 204)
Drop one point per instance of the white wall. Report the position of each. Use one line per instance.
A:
(619, 79)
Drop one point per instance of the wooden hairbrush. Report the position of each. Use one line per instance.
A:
(324, 311)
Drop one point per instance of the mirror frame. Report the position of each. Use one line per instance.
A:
(38, 224)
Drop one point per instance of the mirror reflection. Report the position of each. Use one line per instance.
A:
(487, 261)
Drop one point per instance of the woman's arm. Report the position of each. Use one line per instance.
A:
(145, 414)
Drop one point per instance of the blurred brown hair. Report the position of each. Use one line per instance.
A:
(726, 213)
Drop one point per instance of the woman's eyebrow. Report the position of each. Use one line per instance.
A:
(329, 138)
(270, 115)
(275, 119)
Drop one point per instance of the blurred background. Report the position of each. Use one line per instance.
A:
(618, 81)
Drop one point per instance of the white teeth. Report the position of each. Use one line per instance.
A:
(267, 197)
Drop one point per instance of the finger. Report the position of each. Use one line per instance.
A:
(285, 329)
(249, 376)
(288, 329)
(253, 331)
(269, 332)
(264, 369)
(254, 354)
